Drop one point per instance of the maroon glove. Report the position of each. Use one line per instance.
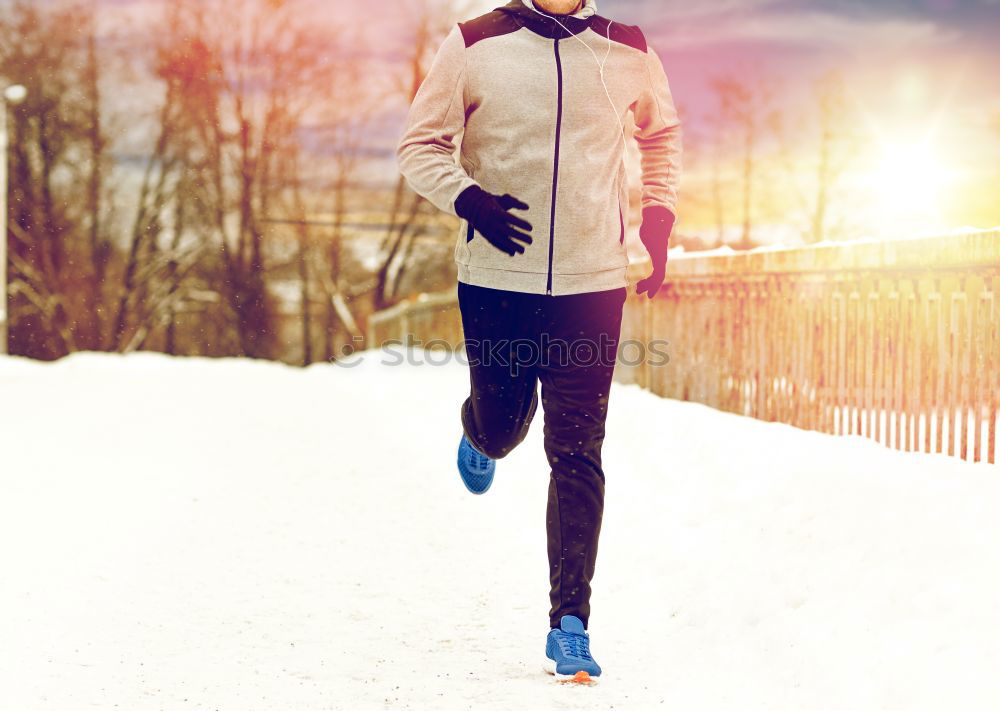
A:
(657, 222)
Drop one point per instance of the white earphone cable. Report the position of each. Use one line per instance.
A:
(600, 67)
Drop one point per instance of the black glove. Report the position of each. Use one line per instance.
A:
(488, 215)
(657, 222)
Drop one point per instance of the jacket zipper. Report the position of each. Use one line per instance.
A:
(555, 164)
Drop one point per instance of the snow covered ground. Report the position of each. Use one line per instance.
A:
(237, 535)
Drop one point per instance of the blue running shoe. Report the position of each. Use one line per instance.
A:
(475, 467)
(569, 648)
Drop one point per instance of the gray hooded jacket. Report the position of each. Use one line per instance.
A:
(527, 99)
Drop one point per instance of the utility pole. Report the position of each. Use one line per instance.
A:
(13, 94)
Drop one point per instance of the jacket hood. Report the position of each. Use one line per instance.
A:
(534, 18)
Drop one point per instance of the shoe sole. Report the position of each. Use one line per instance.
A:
(581, 677)
(477, 492)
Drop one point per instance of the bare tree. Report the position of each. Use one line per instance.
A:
(57, 150)
(155, 193)
(342, 131)
(745, 111)
(431, 21)
(99, 166)
(717, 149)
(836, 147)
(241, 85)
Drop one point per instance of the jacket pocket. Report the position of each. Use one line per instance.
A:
(621, 222)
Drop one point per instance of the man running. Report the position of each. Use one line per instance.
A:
(539, 90)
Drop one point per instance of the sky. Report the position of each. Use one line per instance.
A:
(880, 44)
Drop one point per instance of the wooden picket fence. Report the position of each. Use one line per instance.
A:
(429, 320)
(898, 341)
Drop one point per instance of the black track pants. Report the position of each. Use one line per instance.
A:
(513, 340)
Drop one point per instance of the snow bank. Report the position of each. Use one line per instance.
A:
(233, 534)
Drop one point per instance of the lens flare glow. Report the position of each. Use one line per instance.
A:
(908, 177)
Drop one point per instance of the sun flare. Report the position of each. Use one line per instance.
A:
(908, 177)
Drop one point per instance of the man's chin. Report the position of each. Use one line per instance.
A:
(556, 7)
